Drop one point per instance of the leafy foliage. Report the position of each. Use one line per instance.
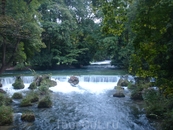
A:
(19, 31)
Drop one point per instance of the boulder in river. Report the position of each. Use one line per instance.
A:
(17, 96)
(29, 117)
(32, 85)
(73, 80)
(119, 92)
(45, 103)
(122, 82)
(18, 84)
(42, 79)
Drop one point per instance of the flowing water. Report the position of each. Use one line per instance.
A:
(88, 106)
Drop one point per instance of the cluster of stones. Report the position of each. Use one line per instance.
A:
(40, 95)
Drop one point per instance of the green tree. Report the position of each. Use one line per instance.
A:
(153, 54)
(68, 33)
(153, 42)
(19, 31)
(116, 28)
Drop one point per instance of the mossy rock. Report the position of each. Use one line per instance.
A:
(48, 82)
(52, 83)
(123, 82)
(17, 96)
(5, 100)
(32, 85)
(45, 103)
(18, 84)
(34, 99)
(26, 102)
(29, 117)
(43, 90)
(6, 115)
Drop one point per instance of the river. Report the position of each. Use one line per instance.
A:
(88, 106)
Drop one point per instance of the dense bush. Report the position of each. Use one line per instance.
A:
(155, 103)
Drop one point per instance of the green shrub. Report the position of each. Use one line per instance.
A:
(155, 103)
(17, 96)
(136, 95)
(168, 121)
(6, 115)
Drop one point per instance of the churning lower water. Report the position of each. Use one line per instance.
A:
(88, 106)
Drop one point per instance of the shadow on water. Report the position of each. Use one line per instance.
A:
(81, 71)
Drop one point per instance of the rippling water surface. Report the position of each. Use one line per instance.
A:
(88, 106)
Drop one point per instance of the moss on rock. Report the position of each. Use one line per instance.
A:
(45, 102)
(29, 117)
(6, 115)
(17, 96)
(32, 85)
(5, 100)
(25, 102)
(18, 84)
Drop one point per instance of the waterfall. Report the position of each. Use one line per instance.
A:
(89, 78)
(11, 80)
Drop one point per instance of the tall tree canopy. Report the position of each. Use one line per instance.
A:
(118, 36)
(69, 30)
(154, 42)
(20, 32)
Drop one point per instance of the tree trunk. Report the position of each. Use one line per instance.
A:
(7, 62)
(3, 3)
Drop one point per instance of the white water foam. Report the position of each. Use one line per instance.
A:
(90, 87)
(10, 91)
(89, 84)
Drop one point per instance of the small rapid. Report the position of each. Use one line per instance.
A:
(88, 106)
